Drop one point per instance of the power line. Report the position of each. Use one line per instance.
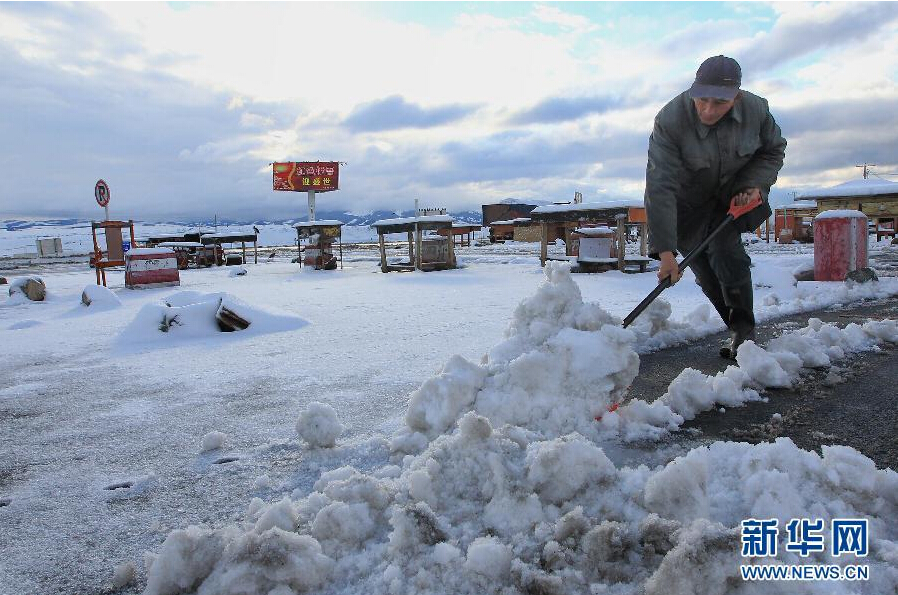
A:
(866, 167)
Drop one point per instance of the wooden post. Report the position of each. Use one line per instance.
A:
(411, 248)
(621, 229)
(544, 242)
(418, 239)
(256, 250)
(243, 246)
(451, 242)
(643, 232)
(383, 252)
(340, 245)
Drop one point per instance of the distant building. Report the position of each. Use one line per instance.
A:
(505, 212)
(876, 198)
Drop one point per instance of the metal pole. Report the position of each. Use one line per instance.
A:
(106, 208)
(311, 206)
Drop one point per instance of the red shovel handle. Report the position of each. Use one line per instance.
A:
(738, 211)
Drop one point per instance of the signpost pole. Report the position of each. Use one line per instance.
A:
(107, 212)
(311, 206)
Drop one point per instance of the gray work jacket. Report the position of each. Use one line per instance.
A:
(694, 170)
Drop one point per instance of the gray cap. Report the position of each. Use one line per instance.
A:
(718, 77)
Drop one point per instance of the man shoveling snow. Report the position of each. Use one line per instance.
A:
(712, 145)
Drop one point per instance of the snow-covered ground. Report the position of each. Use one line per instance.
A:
(77, 238)
(460, 407)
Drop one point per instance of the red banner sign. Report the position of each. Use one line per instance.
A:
(302, 176)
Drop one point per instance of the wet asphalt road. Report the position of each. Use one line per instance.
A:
(855, 404)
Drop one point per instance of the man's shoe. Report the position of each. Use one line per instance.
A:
(737, 337)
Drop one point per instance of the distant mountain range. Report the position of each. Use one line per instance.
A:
(345, 217)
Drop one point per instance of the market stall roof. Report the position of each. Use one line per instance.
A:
(585, 210)
(157, 239)
(854, 188)
(320, 223)
(594, 231)
(799, 204)
(408, 223)
(224, 238)
(180, 244)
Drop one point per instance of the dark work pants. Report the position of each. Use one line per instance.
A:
(723, 272)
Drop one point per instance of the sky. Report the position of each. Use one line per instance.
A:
(182, 107)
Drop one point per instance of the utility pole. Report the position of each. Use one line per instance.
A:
(866, 167)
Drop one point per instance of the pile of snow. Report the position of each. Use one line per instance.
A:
(191, 315)
(502, 499)
(99, 297)
(237, 271)
(318, 425)
(213, 441)
(486, 510)
(562, 363)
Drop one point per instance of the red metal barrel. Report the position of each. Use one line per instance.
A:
(840, 244)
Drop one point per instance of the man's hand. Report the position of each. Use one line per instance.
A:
(669, 268)
(746, 196)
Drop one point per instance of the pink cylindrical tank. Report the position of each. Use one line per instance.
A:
(840, 244)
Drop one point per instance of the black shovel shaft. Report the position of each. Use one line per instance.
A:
(665, 283)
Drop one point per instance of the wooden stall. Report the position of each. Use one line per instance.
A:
(218, 239)
(193, 253)
(114, 255)
(432, 253)
(876, 198)
(315, 242)
(626, 218)
(795, 222)
(461, 233)
(501, 231)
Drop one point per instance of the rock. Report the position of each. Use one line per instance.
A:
(33, 288)
(862, 275)
(895, 241)
(2, 280)
(97, 295)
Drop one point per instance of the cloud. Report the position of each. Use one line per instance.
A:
(555, 16)
(524, 155)
(182, 110)
(562, 109)
(804, 28)
(847, 115)
(392, 113)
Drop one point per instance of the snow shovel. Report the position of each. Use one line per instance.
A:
(734, 213)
